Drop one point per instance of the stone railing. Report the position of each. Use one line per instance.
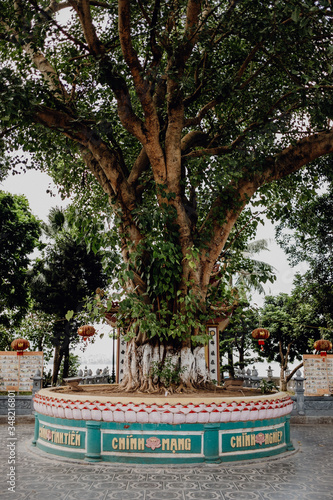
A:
(310, 406)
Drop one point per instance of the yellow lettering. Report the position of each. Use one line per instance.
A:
(187, 444)
(238, 441)
(66, 437)
(165, 444)
(141, 444)
(133, 443)
(233, 442)
(122, 444)
(77, 439)
(173, 444)
(247, 440)
(72, 443)
(115, 443)
(253, 440)
(181, 444)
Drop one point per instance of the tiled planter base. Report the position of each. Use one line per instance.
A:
(154, 431)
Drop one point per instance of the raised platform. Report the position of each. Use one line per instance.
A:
(162, 430)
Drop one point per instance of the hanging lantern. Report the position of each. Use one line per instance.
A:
(86, 331)
(260, 334)
(20, 345)
(322, 346)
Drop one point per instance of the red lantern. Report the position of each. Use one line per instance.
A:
(86, 331)
(260, 334)
(323, 346)
(20, 345)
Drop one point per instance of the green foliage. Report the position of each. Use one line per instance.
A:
(74, 365)
(157, 321)
(37, 327)
(62, 278)
(168, 373)
(267, 386)
(306, 235)
(291, 324)
(235, 341)
(19, 236)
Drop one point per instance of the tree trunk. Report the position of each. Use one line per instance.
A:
(157, 367)
(66, 363)
(231, 369)
(56, 364)
(283, 384)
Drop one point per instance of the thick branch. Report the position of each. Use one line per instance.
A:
(140, 165)
(287, 162)
(297, 156)
(141, 86)
(292, 373)
(82, 8)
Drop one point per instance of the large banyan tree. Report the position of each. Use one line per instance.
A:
(183, 111)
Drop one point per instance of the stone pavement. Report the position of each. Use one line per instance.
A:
(306, 474)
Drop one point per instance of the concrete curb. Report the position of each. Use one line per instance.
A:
(303, 420)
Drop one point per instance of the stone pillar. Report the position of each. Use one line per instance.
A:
(34, 442)
(93, 441)
(255, 380)
(211, 442)
(269, 374)
(287, 431)
(299, 391)
(37, 382)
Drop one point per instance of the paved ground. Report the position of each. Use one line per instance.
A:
(306, 474)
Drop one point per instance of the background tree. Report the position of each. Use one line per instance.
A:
(61, 280)
(182, 111)
(235, 342)
(306, 235)
(19, 236)
(246, 275)
(292, 325)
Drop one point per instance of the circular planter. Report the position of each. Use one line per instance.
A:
(152, 429)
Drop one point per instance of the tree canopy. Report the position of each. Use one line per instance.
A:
(293, 324)
(19, 236)
(306, 234)
(182, 111)
(61, 279)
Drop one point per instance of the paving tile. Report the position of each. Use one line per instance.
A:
(219, 485)
(256, 485)
(197, 477)
(105, 485)
(38, 495)
(163, 477)
(305, 475)
(84, 495)
(279, 495)
(184, 485)
(206, 495)
(17, 495)
(130, 477)
(145, 485)
(124, 495)
(165, 495)
(241, 495)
